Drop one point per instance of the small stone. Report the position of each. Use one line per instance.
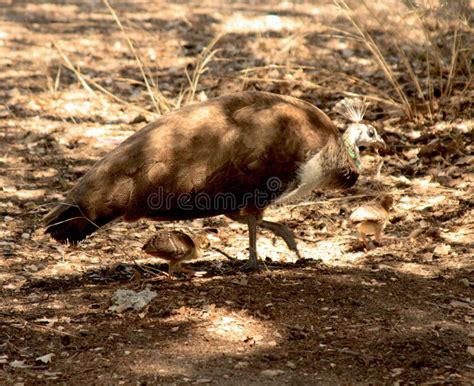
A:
(32, 268)
(25, 236)
(291, 365)
(397, 371)
(442, 250)
(271, 373)
(470, 350)
(202, 381)
(465, 282)
(347, 53)
(241, 365)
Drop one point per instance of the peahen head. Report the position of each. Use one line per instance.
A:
(363, 134)
(358, 133)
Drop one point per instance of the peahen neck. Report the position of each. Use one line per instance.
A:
(349, 138)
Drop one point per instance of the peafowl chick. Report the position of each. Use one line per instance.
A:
(371, 219)
(176, 247)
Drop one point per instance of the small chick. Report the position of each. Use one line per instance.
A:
(176, 247)
(371, 218)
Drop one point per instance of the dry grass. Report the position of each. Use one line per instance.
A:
(200, 69)
(456, 65)
(420, 77)
(160, 102)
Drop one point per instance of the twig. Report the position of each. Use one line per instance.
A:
(224, 253)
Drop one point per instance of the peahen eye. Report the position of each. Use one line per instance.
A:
(371, 133)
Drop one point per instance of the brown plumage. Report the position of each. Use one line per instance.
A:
(231, 155)
(176, 247)
(371, 219)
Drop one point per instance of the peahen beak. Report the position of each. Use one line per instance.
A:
(380, 143)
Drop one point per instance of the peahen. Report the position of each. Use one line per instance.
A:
(232, 155)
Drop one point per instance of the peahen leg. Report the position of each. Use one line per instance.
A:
(252, 263)
(282, 231)
(279, 230)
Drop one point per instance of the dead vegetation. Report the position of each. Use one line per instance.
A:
(79, 77)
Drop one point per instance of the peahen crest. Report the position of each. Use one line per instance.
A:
(352, 108)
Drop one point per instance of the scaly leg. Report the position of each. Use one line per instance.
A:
(282, 231)
(252, 264)
(378, 234)
(171, 266)
(279, 230)
(363, 240)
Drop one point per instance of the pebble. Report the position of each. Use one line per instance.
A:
(241, 365)
(32, 268)
(25, 236)
(465, 282)
(291, 365)
(271, 373)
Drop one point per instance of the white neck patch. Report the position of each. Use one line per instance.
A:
(311, 175)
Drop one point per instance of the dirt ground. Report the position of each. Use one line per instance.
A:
(401, 313)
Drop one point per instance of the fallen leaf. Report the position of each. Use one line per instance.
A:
(18, 364)
(45, 358)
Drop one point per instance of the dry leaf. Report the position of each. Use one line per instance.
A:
(18, 364)
(45, 358)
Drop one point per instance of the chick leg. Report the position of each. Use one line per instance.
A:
(171, 266)
(378, 235)
(363, 240)
(284, 232)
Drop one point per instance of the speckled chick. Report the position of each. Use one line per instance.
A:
(176, 247)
